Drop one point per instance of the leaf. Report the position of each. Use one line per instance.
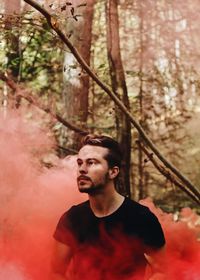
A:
(63, 8)
(101, 66)
(72, 11)
(132, 73)
(70, 34)
(75, 17)
(81, 5)
(73, 66)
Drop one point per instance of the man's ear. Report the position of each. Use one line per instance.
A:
(113, 172)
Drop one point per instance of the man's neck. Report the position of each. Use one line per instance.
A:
(105, 203)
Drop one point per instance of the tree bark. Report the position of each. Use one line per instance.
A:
(120, 89)
(140, 99)
(12, 8)
(76, 81)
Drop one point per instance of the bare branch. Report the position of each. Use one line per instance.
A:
(22, 93)
(55, 26)
(167, 172)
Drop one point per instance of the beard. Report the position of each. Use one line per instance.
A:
(92, 189)
(87, 185)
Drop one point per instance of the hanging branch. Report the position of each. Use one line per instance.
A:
(55, 26)
(22, 93)
(166, 172)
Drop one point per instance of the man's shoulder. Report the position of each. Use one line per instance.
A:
(74, 212)
(135, 208)
(147, 223)
(78, 208)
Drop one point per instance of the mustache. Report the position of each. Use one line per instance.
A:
(83, 177)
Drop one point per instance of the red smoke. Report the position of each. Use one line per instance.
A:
(33, 198)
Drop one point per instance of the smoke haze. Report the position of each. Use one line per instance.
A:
(32, 198)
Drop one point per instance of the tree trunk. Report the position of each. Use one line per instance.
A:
(140, 99)
(12, 57)
(120, 89)
(76, 81)
(12, 8)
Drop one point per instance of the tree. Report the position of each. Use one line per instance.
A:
(76, 81)
(12, 37)
(119, 87)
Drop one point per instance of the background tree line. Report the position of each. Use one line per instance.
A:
(145, 51)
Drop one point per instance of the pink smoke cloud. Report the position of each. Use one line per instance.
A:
(32, 199)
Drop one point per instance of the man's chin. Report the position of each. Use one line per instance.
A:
(89, 190)
(81, 190)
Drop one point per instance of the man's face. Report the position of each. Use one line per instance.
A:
(93, 170)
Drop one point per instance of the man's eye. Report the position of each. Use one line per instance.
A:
(90, 162)
(79, 163)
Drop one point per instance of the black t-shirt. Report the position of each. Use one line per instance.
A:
(132, 227)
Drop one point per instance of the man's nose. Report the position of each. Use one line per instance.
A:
(83, 169)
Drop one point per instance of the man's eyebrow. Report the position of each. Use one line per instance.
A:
(79, 159)
(96, 159)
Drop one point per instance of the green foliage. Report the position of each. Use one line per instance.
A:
(33, 54)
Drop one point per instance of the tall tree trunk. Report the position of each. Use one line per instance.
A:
(76, 81)
(120, 89)
(12, 8)
(140, 99)
(12, 57)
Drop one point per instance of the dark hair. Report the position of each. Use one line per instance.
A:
(114, 155)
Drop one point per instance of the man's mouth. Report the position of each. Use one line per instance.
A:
(83, 178)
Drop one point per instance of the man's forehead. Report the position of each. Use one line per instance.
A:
(89, 151)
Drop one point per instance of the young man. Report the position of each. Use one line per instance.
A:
(108, 236)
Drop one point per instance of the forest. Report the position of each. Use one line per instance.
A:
(145, 54)
(126, 69)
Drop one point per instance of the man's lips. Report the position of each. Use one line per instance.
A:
(83, 178)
